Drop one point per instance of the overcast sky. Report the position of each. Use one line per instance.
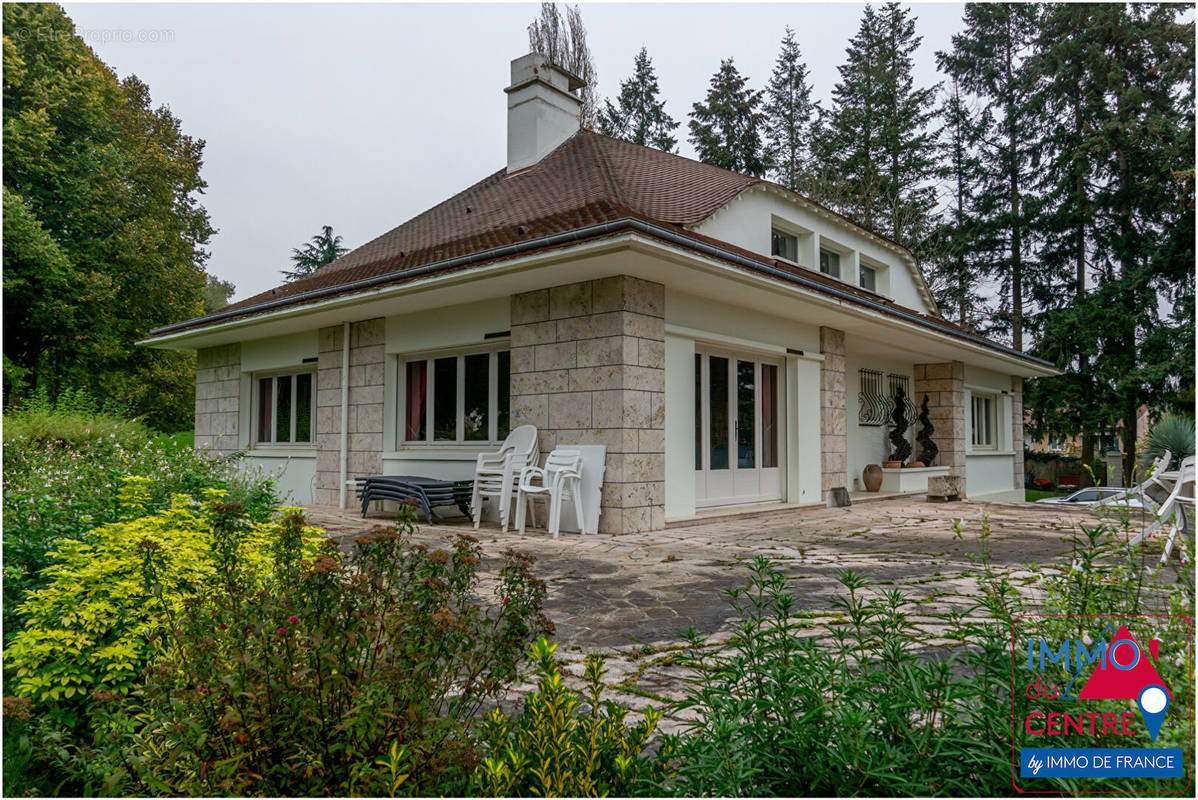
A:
(362, 116)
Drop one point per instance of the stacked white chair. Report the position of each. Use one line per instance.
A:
(496, 474)
(560, 480)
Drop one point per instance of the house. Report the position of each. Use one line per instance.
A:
(729, 341)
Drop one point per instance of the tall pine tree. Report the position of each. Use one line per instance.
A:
(725, 127)
(949, 253)
(876, 140)
(988, 60)
(1130, 71)
(789, 118)
(639, 114)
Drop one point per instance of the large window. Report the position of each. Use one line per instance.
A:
(829, 263)
(457, 399)
(784, 245)
(284, 406)
(982, 421)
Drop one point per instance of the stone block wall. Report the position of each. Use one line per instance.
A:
(944, 384)
(588, 367)
(833, 419)
(1017, 428)
(218, 393)
(365, 418)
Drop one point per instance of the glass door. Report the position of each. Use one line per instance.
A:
(737, 431)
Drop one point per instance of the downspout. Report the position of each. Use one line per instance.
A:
(344, 412)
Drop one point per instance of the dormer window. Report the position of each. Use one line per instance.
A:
(829, 263)
(784, 245)
(868, 278)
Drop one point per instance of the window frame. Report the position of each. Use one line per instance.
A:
(990, 404)
(459, 354)
(862, 269)
(793, 238)
(256, 412)
(839, 262)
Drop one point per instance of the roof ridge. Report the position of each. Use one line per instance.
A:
(614, 185)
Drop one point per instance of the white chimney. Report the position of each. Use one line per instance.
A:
(542, 110)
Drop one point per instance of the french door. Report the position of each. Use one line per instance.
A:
(738, 436)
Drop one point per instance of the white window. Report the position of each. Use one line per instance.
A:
(829, 263)
(456, 399)
(868, 278)
(982, 421)
(284, 405)
(784, 245)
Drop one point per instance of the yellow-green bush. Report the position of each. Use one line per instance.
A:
(557, 748)
(91, 627)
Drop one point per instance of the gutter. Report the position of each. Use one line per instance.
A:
(593, 231)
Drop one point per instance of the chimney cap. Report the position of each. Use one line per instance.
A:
(538, 67)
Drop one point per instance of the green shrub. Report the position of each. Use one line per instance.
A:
(55, 491)
(87, 628)
(1172, 432)
(867, 709)
(566, 745)
(344, 675)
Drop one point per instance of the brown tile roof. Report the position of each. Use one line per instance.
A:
(589, 179)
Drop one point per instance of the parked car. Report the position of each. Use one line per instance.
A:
(1096, 496)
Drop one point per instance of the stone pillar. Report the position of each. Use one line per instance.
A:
(944, 384)
(833, 424)
(365, 419)
(588, 367)
(218, 399)
(1017, 429)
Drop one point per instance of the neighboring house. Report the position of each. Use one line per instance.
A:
(729, 341)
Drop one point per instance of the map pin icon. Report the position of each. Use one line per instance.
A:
(1154, 702)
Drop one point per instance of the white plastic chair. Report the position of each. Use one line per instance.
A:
(495, 474)
(1173, 511)
(561, 479)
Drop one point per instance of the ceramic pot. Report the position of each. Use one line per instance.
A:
(892, 464)
(871, 476)
(914, 464)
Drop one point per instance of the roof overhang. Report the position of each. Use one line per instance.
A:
(523, 267)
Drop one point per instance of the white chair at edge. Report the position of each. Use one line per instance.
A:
(560, 479)
(495, 474)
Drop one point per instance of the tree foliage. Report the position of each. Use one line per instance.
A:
(1120, 201)
(103, 231)
(562, 38)
(324, 248)
(726, 127)
(639, 114)
(789, 117)
(876, 144)
(217, 293)
(988, 59)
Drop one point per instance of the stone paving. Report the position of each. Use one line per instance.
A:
(633, 596)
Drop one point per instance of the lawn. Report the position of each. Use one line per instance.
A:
(183, 440)
(1032, 495)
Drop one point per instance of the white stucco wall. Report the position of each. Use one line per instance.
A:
(748, 219)
(870, 444)
(294, 473)
(990, 472)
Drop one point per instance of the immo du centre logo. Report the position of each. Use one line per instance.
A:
(1115, 666)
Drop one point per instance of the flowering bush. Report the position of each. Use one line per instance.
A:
(359, 674)
(88, 628)
(60, 483)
